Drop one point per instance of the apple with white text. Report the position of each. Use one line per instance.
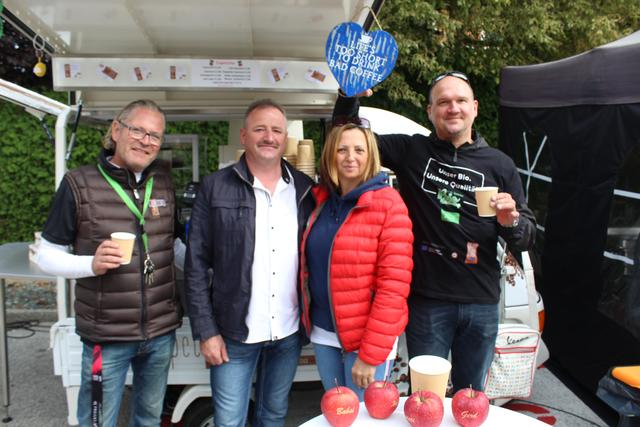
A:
(340, 406)
(470, 407)
(381, 398)
(424, 409)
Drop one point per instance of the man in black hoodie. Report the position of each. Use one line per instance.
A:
(455, 292)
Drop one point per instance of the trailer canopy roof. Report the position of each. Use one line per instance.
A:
(279, 43)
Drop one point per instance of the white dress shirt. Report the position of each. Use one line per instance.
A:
(273, 308)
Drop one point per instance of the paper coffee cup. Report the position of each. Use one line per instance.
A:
(304, 154)
(430, 373)
(483, 200)
(125, 241)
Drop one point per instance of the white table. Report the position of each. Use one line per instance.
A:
(14, 264)
(498, 417)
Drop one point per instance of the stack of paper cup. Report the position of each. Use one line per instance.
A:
(306, 161)
(291, 151)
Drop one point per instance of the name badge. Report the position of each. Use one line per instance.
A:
(154, 204)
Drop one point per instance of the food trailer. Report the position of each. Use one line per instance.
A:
(200, 61)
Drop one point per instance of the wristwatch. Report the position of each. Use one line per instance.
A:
(514, 223)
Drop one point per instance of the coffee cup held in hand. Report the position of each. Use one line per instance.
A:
(125, 241)
(483, 200)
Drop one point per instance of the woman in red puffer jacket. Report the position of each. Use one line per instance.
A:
(356, 263)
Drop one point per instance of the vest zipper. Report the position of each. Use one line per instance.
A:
(143, 294)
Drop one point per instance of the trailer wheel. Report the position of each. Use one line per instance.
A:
(199, 414)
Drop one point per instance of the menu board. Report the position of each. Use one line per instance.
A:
(71, 73)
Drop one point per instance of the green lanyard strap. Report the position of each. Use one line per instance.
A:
(131, 205)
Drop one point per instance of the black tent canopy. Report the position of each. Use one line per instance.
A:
(573, 128)
(606, 75)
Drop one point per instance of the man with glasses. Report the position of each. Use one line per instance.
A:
(455, 292)
(126, 313)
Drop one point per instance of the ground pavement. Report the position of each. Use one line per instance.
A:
(38, 398)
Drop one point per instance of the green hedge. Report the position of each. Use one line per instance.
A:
(28, 171)
(27, 178)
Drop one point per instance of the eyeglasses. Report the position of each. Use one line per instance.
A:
(139, 134)
(361, 122)
(458, 74)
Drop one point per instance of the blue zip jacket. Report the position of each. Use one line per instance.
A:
(319, 243)
(221, 247)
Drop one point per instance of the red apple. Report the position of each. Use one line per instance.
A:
(470, 407)
(424, 409)
(340, 406)
(381, 399)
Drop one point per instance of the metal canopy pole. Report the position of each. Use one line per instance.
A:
(4, 358)
(62, 302)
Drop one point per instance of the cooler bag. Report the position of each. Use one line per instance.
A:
(514, 362)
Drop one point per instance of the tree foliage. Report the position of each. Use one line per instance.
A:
(480, 37)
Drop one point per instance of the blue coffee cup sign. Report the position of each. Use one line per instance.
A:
(360, 60)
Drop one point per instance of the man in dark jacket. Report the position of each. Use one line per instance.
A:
(126, 313)
(241, 269)
(455, 290)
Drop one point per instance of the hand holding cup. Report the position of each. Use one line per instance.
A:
(108, 256)
(506, 210)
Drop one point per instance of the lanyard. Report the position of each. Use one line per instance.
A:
(131, 205)
(96, 387)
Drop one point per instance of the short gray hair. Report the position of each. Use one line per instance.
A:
(263, 103)
(125, 113)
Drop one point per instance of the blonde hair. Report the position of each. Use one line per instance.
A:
(328, 167)
(125, 113)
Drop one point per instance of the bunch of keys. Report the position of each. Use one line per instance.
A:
(148, 270)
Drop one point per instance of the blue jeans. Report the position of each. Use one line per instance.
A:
(333, 364)
(468, 330)
(274, 364)
(149, 361)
